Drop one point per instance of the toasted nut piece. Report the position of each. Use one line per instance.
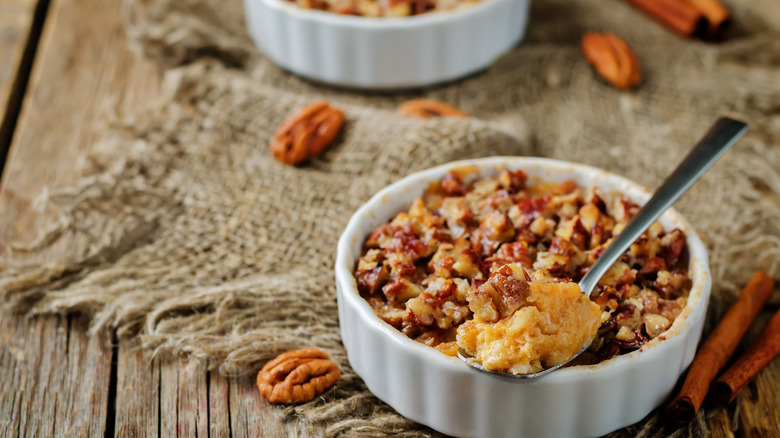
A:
(612, 58)
(427, 109)
(297, 376)
(307, 133)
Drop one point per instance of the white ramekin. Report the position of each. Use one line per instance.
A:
(441, 392)
(385, 53)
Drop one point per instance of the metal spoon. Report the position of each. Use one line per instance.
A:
(724, 133)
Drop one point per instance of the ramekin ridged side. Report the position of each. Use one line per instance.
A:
(441, 392)
(385, 53)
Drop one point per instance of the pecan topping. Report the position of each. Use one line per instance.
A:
(307, 133)
(428, 109)
(297, 376)
(612, 58)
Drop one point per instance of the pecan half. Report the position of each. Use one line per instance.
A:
(427, 109)
(297, 376)
(307, 133)
(612, 58)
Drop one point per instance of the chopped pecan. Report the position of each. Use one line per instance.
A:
(307, 133)
(512, 252)
(468, 264)
(452, 184)
(503, 293)
(535, 207)
(655, 324)
(400, 290)
(409, 244)
(428, 108)
(572, 231)
(612, 58)
(633, 340)
(496, 227)
(513, 179)
(608, 299)
(297, 376)
(371, 280)
(673, 244)
(653, 266)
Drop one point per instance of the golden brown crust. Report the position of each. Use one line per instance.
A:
(428, 271)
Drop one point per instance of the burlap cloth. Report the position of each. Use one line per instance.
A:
(195, 239)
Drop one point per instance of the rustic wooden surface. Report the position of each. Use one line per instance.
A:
(57, 379)
(19, 26)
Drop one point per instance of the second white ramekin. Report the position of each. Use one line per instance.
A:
(385, 53)
(442, 392)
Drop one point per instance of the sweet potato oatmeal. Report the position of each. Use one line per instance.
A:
(382, 8)
(491, 265)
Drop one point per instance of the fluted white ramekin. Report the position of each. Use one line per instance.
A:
(385, 53)
(441, 392)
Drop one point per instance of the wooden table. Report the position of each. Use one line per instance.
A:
(64, 64)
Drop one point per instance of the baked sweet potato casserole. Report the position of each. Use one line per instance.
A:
(475, 258)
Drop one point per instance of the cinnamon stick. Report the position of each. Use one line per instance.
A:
(679, 15)
(718, 17)
(761, 352)
(719, 346)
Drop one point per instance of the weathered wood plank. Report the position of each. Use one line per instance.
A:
(36, 348)
(219, 406)
(246, 412)
(137, 393)
(193, 399)
(720, 424)
(11, 395)
(16, 18)
(251, 415)
(183, 399)
(84, 394)
(47, 336)
(83, 70)
(17, 40)
(169, 399)
(56, 383)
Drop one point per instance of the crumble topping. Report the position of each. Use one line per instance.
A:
(491, 265)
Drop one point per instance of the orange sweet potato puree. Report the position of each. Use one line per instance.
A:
(554, 323)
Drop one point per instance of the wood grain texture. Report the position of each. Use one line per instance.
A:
(55, 377)
(82, 73)
(53, 383)
(246, 419)
(193, 398)
(84, 393)
(137, 393)
(16, 29)
(38, 369)
(219, 406)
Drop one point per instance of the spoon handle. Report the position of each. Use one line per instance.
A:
(715, 143)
